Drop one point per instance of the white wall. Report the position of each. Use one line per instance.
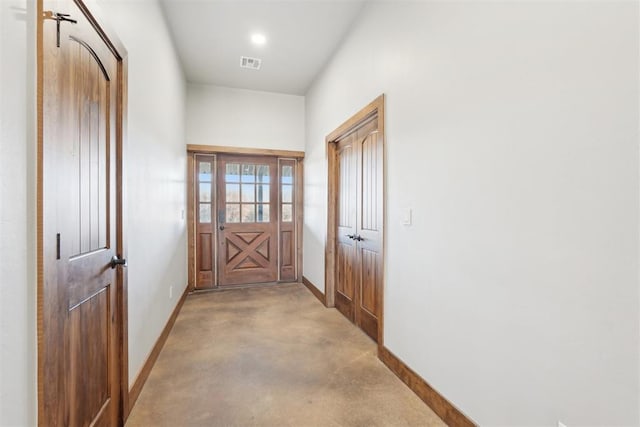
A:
(155, 183)
(156, 173)
(17, 214)
(244, 118)
(512, 133)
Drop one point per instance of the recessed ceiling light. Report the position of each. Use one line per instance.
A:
(258, 39)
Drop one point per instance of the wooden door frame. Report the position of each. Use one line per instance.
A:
(215, 150)
(374, 108)
(99, 20)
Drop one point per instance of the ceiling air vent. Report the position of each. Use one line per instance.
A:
(252, 63)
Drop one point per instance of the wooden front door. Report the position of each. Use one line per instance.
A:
(359, 226)
(247, 220)
(79, 325)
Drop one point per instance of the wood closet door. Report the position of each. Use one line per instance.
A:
(360, 205)
(80, 383)
(247, 220)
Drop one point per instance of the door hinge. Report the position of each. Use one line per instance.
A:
(58, 17)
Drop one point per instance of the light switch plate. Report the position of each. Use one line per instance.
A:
(406, 217)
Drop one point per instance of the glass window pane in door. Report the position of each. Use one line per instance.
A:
(262, 214)
(204, 173)
(287, 193)
(248, 173)
(248, 193)
(233, 213)
(232, 172)
(205, 192)
(262, 194)
(287, 174)
(262, 174)
(287, 213)
(233, 193)
(249, 213)
(205, 213)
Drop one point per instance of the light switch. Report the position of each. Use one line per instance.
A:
(406, 217)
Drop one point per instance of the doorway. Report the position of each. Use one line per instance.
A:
(82, 326)
(244, 217)
(355, 232)
(247, 220)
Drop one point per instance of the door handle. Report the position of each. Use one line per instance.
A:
(351, 236)
(358, 238)
(221, 227)
(115, 261)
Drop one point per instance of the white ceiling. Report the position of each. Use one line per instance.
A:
(211, 35)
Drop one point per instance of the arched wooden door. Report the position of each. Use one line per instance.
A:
(80, 326)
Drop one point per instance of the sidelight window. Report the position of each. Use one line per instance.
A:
(287, 193)
(204, 191)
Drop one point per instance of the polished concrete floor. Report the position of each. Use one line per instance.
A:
(272, 357)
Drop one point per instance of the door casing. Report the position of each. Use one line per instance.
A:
(374, 108)
(99, 21)
(212, 150)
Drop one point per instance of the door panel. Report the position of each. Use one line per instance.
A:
(247, 220)
(369, 195)
(368, 295)
(81, 385)
(346, 247)
(359, 236)
(345, 283)
(89, 332)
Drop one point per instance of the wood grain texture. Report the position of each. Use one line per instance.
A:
(89, 347)
(247, 251)
(143, 375)
(354, 268)
(288, 239)
(75, 332)
(40, 292)
(441, 406)
(191, 224)
(299, 195)
(122, 274)
(315, 291)
(369, 146)
(99, 20)
(216, 149)
(374, 108)
(330, 255)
